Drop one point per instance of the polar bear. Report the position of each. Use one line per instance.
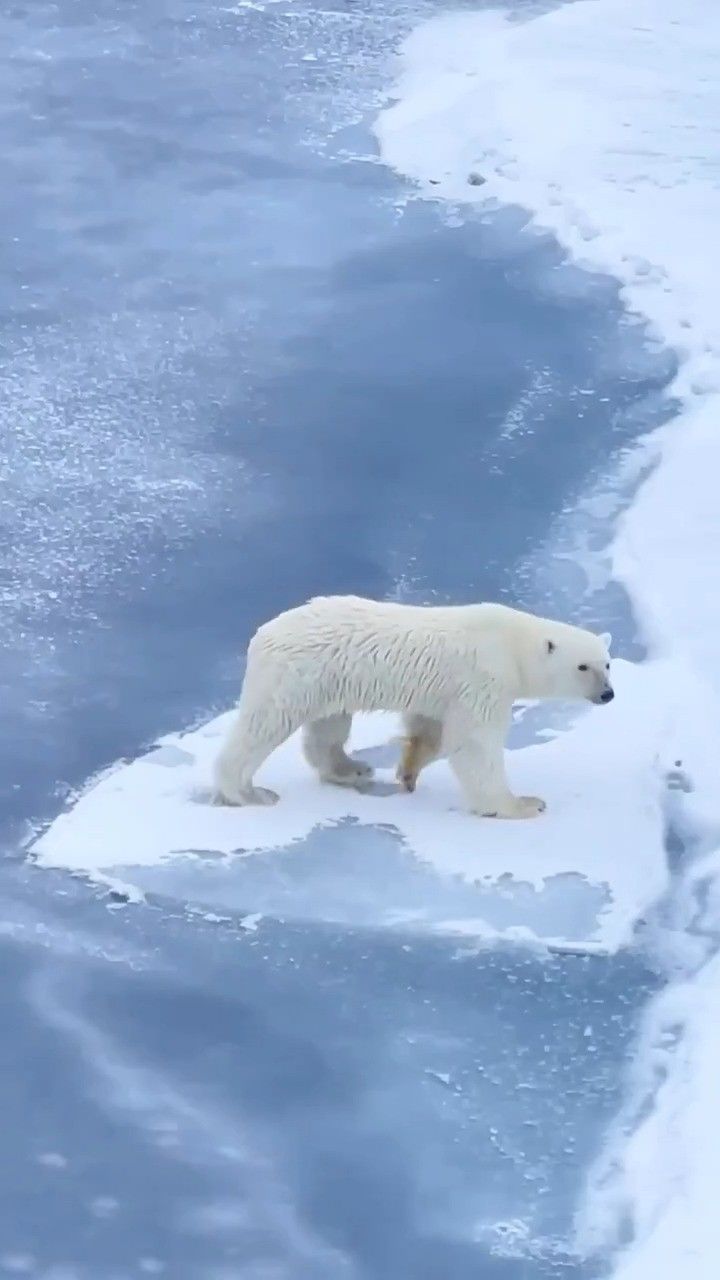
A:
(453, 672)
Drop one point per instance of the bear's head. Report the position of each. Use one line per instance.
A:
(572, 663)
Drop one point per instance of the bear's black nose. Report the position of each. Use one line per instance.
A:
(607, 696)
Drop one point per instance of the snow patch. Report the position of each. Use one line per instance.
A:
(602, 780)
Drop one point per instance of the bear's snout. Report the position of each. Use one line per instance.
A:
(607, 695)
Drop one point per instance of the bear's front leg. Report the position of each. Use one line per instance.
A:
(476, 754)
(420, 746)
(518, 807)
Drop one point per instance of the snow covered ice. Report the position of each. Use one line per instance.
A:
(159, 807)
(265, 338)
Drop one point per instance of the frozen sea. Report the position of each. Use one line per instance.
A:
(262, 339)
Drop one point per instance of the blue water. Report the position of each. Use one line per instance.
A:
(241, 366)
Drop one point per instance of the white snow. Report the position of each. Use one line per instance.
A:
(602, 120)
(599, 778)
(663, 1178)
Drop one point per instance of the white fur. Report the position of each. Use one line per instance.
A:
(460, 667)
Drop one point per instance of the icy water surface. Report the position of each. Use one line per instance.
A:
(308, 1100)
(240, 368)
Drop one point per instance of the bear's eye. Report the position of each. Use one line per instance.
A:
(583, 666)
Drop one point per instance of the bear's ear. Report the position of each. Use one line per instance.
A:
(550, 645)
(606, 639)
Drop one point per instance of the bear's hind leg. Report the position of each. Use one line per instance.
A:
(323, 744)
(249, 743)
(420, 746)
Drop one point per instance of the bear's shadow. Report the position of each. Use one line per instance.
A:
(383, 756)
